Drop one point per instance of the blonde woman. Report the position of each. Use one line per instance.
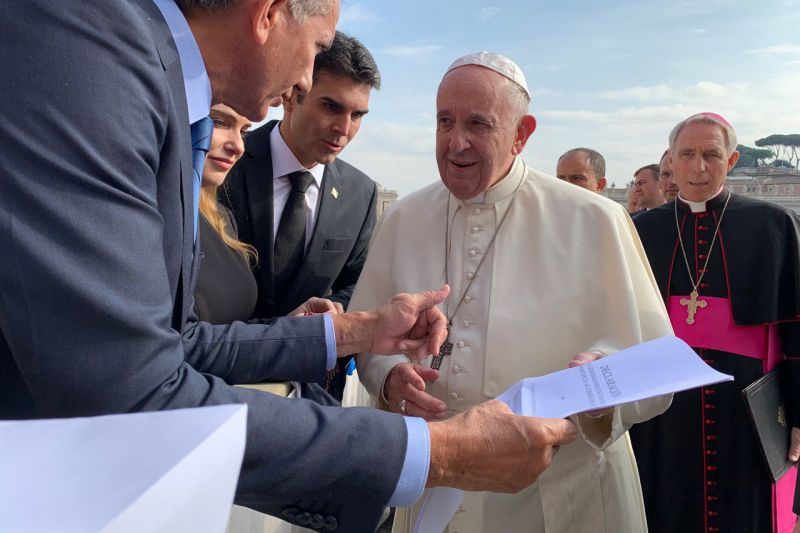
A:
(226, 290)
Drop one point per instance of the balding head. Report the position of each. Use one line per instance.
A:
(583, 167)
(255, 51)
(300, 9)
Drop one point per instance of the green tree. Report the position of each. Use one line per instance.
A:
(752, 157)
(746, 161)
(783, 146)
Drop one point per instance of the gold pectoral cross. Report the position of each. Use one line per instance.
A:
(692, 304)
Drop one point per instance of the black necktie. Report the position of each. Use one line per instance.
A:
(290, 242)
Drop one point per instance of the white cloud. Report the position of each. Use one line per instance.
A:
(698, 30)
(399, 156)
(487, 13)
(776, 49)
(353, 14)
(631, 128)
(555, 67)
(666, 92)
(409, 51)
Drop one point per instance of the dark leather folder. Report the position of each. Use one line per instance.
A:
(763, 399)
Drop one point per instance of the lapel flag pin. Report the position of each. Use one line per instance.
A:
(334, 192)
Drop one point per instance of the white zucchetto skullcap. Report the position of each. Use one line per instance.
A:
(496, 62)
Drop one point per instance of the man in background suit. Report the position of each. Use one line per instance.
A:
(338, 211)
(97, 225)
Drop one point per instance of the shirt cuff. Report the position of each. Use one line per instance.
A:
(330, 341)
(415, 467)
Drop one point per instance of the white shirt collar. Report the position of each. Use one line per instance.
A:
(699, 207)
(195, 77)
(284, 162)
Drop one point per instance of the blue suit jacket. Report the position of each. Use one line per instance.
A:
(96, 267)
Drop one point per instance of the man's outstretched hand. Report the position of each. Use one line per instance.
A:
(409, 324)
(490, 448)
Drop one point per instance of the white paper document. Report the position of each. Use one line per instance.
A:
(654, 368)
(162, 471)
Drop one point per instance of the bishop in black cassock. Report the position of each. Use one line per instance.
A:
(731, 283)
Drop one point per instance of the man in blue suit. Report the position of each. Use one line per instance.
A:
(97, 223)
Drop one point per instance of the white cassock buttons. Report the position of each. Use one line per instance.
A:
(456, 369)
(468, 299)
(473, 252)
(470, 275)
(475, 229)
(467, 323)
(454, 395)
(476, 211)
(460, 344)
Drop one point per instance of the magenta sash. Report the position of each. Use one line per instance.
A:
(714, 329)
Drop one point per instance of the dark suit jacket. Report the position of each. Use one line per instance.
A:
(338, 246)
(96, 271)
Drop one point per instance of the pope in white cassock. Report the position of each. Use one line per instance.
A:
(540, 270)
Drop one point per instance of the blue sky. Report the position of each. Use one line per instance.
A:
(614, 75)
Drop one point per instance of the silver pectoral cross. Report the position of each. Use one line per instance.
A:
(692, 305)
(445, 349)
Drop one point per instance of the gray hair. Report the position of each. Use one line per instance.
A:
(349, 58)
(301, 9)
(708, 118)
(518, 99)
(596, 160)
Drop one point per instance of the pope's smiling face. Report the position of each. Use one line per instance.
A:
(700, 160)
(477, 135)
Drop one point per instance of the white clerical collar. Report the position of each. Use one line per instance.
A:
(503, 188)
(699, 207)
(195, 77)
(284, 162)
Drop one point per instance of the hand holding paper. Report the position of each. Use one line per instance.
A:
(654, 368)
(487, 447)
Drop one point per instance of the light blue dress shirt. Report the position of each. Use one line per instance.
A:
(198, 99)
